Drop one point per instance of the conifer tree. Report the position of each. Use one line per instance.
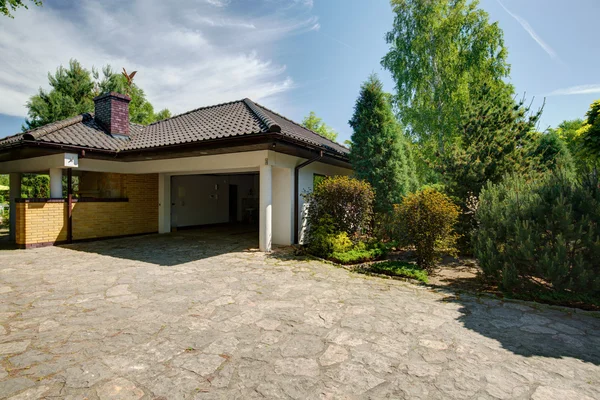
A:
(497, 138)
(380, 154)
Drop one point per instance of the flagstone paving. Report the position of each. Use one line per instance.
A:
(193, 315)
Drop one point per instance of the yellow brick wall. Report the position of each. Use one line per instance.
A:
(138, 215)
(44, 223)
(39, 223)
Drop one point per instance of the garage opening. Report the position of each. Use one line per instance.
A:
(227, 201)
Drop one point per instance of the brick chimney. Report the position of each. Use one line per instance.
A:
(112, 113)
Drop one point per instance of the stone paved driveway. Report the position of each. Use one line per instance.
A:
(194, 316)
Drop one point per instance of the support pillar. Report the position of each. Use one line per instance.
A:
(164, 203)
(266, 208)
(56, 183)
(14, 193)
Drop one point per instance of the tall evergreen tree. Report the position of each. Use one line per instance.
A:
(497, 138)
(73, 90)
(380, 154)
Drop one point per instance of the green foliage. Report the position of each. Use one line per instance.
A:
(4, 188)
(570, 133)
(551, 153)
(590, 132)
(380, 154)
(317, 125)
(72, 93)
(426, 221)
(140, 110)
(324, 240)
(497, 138)
(357, 255)
(8, 6)
(439, 51)
(35, 186)
(400, 268)
(344, 203)
(541, 234)
(73, 90)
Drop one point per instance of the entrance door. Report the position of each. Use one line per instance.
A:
(233, 203)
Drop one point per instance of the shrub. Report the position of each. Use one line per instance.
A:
(339, 204)
(541, 234)
(426, 221)
(324, 241)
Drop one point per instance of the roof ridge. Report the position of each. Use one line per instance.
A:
(194, 110)
(302, 126)
(272, 126)
(55, 126)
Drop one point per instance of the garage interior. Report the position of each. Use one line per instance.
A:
(215, 199)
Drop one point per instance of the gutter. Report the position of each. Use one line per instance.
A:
(297, 191)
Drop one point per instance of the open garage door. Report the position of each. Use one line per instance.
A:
(216, 199)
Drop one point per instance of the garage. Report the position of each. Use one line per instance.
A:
(207, 200)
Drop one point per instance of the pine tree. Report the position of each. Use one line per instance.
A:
(497, 138)
(72, 92)
(380, 154)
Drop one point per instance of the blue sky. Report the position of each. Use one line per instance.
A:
(293, 56)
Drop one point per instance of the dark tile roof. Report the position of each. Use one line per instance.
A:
(238, 118)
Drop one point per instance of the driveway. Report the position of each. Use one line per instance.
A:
(194, 315)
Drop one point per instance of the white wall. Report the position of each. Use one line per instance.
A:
(195, 200)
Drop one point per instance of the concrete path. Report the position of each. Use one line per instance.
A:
(192, 315)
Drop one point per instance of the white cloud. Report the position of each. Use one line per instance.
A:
(545, 46)
(573, 90)
(195, 54)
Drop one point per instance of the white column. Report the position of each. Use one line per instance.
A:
(56, 191)
(14, 193)
(283, 206)
(164, 203)
(266, 208)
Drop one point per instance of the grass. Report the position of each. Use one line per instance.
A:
(400, 268)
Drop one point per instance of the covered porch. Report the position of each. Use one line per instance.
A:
(113, 198)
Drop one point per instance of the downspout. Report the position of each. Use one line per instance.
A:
(297, 191)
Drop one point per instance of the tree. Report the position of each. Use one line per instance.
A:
(552, 153)
(317, 125)
(590, 133)
(439, 50)
(6, 6)
(380, 154)
(497, 138)
(140, 109)
(72, 93)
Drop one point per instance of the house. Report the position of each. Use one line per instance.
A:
(231, 162)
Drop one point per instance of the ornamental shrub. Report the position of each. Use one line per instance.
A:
(542, 234)
(426, 221)
(344, 203)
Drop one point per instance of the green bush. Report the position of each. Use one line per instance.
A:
(399, 268)
(346, 202)
(340, 210)
(324, 241)
(426, 220)
(541, 234)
